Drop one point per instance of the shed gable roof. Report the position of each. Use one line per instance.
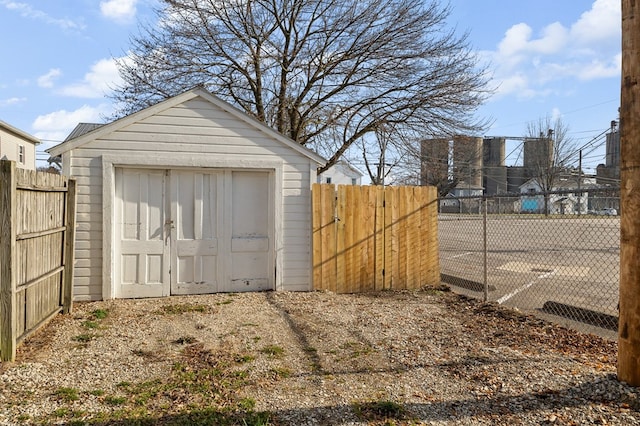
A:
(86, 132)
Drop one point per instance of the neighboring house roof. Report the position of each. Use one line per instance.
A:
(21, 134)
(347, 169)
(530, 183)
(81, 129)
(101, 130)
(568, 183)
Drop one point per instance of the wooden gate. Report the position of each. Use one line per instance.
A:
(37, 220)
(373, 238)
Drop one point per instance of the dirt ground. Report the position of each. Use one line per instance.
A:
(386, 358)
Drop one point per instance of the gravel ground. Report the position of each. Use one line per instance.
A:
(389, 358)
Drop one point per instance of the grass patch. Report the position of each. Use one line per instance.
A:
(201, 388)
(90, 324)
(273, 351)
(281, 372)
(244, 358)
(115, 400)
(182, 308)
(100, 314)
(84, 338)
(61, 412)
(67, 394)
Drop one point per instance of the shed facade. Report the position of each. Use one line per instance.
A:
(189, 196)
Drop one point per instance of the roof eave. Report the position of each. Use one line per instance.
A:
(20, 133)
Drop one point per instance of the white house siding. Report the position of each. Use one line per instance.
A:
(191, 133)
(10, 141)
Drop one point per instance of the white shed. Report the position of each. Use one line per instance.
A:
(189, 196)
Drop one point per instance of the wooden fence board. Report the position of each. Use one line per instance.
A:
(383, 238)
(316, 213)
(35, 227)
(378, 281)
(349, 250)
(8, 311)
(341, 264)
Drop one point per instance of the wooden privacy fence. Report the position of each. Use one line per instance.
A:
(373, 238)
(37, 221)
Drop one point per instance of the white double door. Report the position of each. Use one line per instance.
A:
(192, 232)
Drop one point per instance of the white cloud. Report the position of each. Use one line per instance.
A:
(102, 76)
(528, 64)
(601, 22)
(11, 101)
(517, 39)
(46, 81)
(554, 38)
(27, 11)
(54, 127)
(555, 114)
(122, 11)
(601, 69)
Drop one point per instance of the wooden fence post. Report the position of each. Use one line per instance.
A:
(69, 247)
(7, 261)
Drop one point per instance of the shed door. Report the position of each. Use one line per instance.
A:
(142, 263)
(251, 238)
(193, 232)
(196, 214)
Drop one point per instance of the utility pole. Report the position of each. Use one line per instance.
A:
(629, 322)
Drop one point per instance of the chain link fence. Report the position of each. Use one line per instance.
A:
(563, 265)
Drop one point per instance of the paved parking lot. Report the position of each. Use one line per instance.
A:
(563, 266)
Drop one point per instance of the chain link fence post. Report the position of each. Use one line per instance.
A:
(484, 239)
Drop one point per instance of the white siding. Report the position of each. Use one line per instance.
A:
(9, 150)
(200, 134)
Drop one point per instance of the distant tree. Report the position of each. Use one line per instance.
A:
(326, 73)
(549, 153)
(385, 155)
(55, 166)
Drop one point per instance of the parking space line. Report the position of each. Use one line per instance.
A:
(460, 255)
(524, 287)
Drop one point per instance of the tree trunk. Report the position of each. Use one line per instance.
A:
(629, 324)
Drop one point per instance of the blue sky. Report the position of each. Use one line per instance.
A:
(548, 58)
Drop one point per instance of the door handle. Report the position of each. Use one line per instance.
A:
(168, 223)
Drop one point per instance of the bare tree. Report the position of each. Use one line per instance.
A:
(386, 156)
(549, 153)
(326, 73)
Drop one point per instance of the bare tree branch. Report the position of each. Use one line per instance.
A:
(325, 73)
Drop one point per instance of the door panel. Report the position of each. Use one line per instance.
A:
(251, 262)
(142, 262)
(196, 214)
(192, 232)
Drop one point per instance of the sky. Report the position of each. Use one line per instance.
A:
(547, 58)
